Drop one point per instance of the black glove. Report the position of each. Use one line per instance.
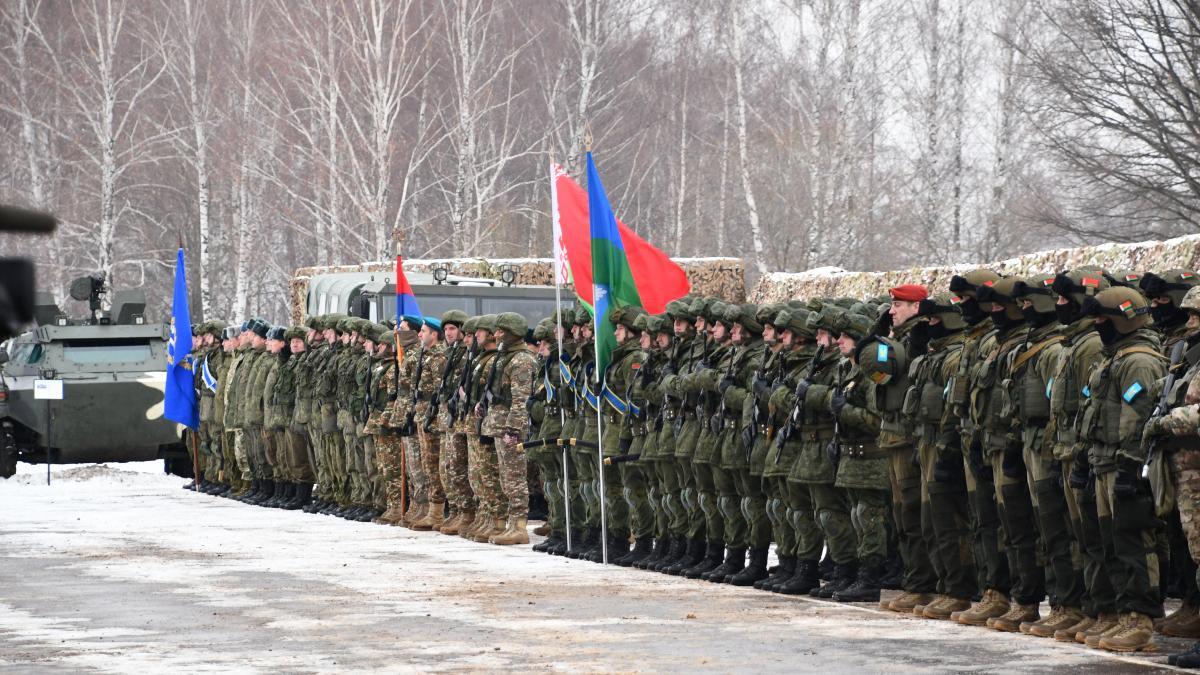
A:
(834, 452)
(747, 436)
(918, 338)
(666, 369)
(1056, 474)
(802, 389)
(760, 386)
(725, 383)
(625, 444)
(883, 325)
(837, 401)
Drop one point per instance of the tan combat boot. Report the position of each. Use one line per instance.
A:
(1136, 636)
(433, 518)
(905, 602)
(471, 528)
(515, 532)
(451, 524)
(1068, 634)
(490, 527)
(389, 517)
(1060, 618)
(542, 530)
(1011, 622)
(466, 520)
(414, 513)
(992, 605)
(919, 608)
(1102, 629)
(1183, 622)
(945, 608)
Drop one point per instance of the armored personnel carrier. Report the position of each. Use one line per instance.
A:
(112, 367)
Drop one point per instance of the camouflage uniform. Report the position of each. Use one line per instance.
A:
(332, 443)
(230, 474)
(507, 420)
(429, 428)
(207, 365)
(481, 451)
(380, 425)
(252, 414)
(453, 467)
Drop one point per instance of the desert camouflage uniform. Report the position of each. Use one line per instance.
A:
(506, 422)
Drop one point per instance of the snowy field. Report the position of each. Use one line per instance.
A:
(116, 569)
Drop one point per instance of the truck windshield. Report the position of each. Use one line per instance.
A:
(106, 351)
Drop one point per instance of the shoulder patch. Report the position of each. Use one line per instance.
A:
(1132, 392)
(881, 352)
(1086, 391)
(1049, 386)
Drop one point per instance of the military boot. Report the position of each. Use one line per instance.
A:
(735, 561)
(255, 488)
(266, 491)
(754, 572)
(1183, 622)
(543, 545)
(433, 518)
(1068, 634)
(465, 523)
(1011, 621)
(414, 513)
(712, 559)
(826, 567)
(1060, 618)
(489, 530)
(283, 494)
(992, 605)
(542, 530)
(693, 554)
(618, 546)
(906, 602)
(893, 575)
(676, 550)
(783, 571)
(1107, 624)
(865, 587)
(555, 541)
(561, 547)
(1187, 659)
(945, 608)
(642, 548)
(843, 576)
(803, 580)
(658, 548)
(1136, 636)
(515, 532)
(581, 542)
(390, 517)
(303, 496)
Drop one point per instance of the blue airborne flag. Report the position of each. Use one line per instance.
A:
(179, 399)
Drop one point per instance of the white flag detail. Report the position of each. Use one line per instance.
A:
(562, 274)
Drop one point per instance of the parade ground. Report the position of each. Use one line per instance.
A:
(116, 569)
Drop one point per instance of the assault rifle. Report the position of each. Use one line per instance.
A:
(1164, 398)
(802, 386)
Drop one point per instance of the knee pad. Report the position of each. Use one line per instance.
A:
(725, 507)
(744, 506)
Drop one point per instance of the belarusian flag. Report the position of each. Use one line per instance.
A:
(659, 280)
(612, 280)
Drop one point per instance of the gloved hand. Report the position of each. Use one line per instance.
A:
(837, 401)
(725, 383)
(760, 386)
(747, 437)
(802, 389)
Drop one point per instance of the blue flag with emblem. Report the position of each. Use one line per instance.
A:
(179, 398)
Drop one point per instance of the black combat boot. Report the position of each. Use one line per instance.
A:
(581, 542)
(643, 547)
(693, 554)
(252, 493)
(711, 560)
(783, 571)
(657, 551)
(735, 561)
(269, 488)
(865, 588)
(754, 572)
(825, 569)
(843, 576)
(676, 549)
(303, 497)
(191, 485)
(282, 495)
(803, 580)
(893, 573)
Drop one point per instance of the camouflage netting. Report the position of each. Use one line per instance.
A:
(828, 282)
(723, 277)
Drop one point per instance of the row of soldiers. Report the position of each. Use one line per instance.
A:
(1017, 439)
(417, 425)
(1013, 439)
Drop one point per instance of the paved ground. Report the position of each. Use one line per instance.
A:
(113, 569)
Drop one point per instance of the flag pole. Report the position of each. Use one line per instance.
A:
(555, 232)
(596, 319)
(399, 235)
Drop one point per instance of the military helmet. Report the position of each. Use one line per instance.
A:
(514, 324)
(334, 322)
(795, 320)
(945, 307)
(680, 309)
(469, 325)
(1125, 307)
(1002, 291)
(1191, 301)
(625, 316)
(1126, 278)
(968, 285)
(1079, 284)
(825, 318)
(659, 323)
(1173, 284)
(216, 327)
(767, 313)
(854, 324)
(387, 338)
(455, 317)
(744, 315)
(700, 307)
(541, 331)
(295, 333)
(486, 322)
(583, 317)
(641, 323)
(1038, 290)
(311, 322)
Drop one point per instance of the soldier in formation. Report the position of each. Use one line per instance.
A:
(1013, 440)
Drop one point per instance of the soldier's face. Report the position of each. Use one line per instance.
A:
(369, 345)
(903, 310)
(383, 349)
(645, 340)
(453, 334)
(428, 336)
(246, 338)
(718, 331)
(585, 331)
(298, 345)
(738, 334)
(229, 344)
(311, 335)
(330, 335)
(345, 338)
(274, 346)
(207, 339)
(845, 343)
(543, 349)
(1193, 321)
(701, 324)
(482, 336)
(769, 335)
(621, 333)
(575, 332)
(682, 326)
(196, 341)
(788, 338)
(259, 342)
(664, 340)
(824, 338)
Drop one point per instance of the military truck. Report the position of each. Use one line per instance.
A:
(112, 366)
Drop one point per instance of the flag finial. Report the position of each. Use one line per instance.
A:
(587, 135)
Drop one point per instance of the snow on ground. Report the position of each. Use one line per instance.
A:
(113, 568)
